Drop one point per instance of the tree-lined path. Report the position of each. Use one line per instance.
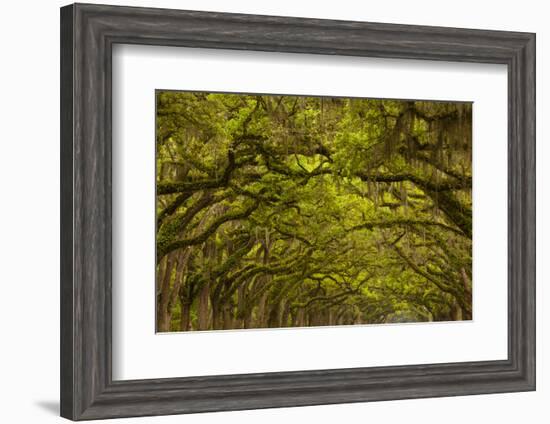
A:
(278, 211)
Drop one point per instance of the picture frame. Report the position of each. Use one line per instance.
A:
(88, 33)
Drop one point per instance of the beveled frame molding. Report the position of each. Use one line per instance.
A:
(88, 33)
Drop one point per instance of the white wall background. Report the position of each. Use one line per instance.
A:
(29, 217)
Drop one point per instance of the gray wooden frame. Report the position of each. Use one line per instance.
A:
(88, 33)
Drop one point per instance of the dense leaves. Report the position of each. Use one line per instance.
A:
(277, 211)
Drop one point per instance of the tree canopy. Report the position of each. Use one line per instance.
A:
(279, 211)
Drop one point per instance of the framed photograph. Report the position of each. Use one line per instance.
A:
(262, 212)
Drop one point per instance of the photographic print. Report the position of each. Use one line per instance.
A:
(280, 211)
(299, 220)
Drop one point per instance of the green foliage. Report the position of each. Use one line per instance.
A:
(277, 211)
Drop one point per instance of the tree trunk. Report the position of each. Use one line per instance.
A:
(300, 317)
(260, 316)
(456, 312)
(241, 306)
(182, 260)
(330, 320)
(185, 316)
(467, 314)
(203, 314)
(274, 318)
(215, 315)
(228, 317)
(247, 318)
(285, 315)
(163, 318)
